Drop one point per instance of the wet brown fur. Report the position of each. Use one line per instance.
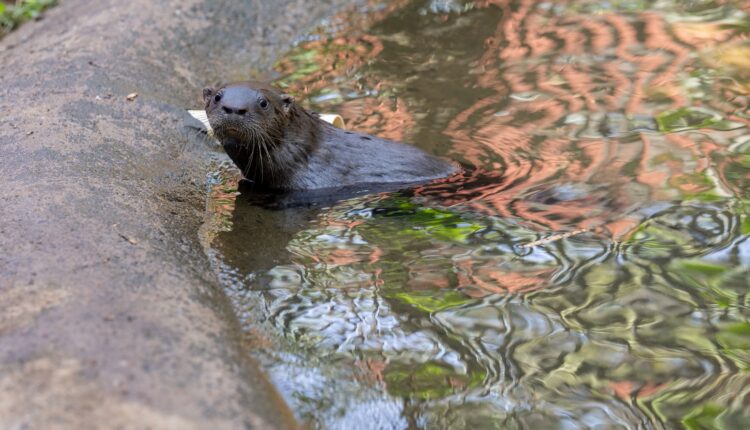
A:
(282, 146)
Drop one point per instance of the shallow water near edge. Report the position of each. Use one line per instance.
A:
(590, 268)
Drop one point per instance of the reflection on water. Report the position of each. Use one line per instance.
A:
(589, 270)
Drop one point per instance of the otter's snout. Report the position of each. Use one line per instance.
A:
(237, 110)
(238, 101)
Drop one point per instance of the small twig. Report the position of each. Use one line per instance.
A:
(122, 235)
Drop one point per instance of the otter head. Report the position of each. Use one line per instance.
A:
(259, 128)
(248, 113)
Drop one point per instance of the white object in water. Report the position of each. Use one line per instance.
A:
(201, 116)
(334, 119)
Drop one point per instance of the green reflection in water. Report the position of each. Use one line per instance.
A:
(428, 380)
(691, 119)
(430, 301)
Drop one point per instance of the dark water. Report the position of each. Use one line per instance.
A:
(590, 270)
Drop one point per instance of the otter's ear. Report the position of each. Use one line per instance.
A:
(288, 102)
(208, 92)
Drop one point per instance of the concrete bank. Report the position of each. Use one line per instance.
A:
(111, 316)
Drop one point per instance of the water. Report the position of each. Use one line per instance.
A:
(589, 270)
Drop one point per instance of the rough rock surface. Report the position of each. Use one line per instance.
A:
(111, 316)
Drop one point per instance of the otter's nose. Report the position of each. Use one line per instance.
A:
(237, 100)
(234, 110)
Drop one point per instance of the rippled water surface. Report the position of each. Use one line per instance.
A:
(589, 270)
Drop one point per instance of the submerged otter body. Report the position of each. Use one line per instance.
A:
(279, 145)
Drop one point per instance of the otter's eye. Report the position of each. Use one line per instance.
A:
(217, 97)
(263, 103)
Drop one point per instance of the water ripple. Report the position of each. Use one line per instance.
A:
(590, 267)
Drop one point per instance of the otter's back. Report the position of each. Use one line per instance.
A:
(346, 158)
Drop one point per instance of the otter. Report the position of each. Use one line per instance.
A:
(278, 145)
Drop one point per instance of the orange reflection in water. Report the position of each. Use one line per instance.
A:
(565, 136)
(592, 65)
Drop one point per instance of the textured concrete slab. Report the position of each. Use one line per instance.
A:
(112, 317)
